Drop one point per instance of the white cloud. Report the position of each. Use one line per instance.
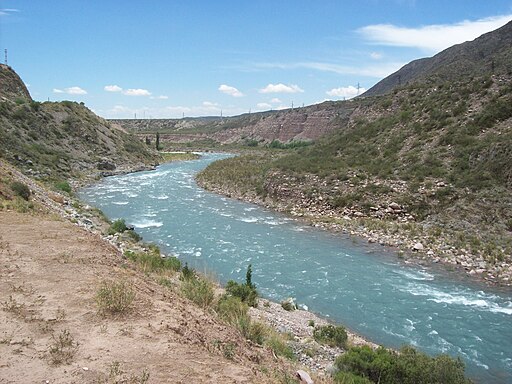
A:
(345, 92)
(229, 90)
(281, 88)
(8, 11)
(75, 91)
(112, 88)
(263, 106)
(71, 91)
(276, 100)
(136, 92)
(432, 38)
(376, 55)
(161, 97)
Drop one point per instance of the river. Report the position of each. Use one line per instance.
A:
(362, 286)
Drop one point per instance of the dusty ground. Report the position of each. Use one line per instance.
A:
(50, 271)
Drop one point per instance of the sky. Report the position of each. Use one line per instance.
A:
(169, 59)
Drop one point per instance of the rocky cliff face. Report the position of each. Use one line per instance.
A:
(299, 124)
(11, 86)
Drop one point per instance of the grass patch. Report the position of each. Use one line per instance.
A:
(152, 261)
(199, 290)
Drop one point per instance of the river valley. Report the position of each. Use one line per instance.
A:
(362, 286)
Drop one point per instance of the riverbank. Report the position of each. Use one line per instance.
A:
(415, 242)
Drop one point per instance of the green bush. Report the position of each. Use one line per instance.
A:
(63, 186)
(115, 297)
(334, 336)
(247, 292)
(21, 190)
(118, 226)
(406, 367)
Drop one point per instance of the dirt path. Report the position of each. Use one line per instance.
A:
(50, 271)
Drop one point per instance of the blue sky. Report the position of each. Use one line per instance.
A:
(196, 58)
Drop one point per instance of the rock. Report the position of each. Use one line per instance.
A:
(304, 377)
(417, 247)
(394, 206)
(106, 165)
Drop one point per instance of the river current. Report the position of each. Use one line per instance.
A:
(364, 287)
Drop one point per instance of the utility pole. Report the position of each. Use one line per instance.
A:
(5, 51)
(358, 88)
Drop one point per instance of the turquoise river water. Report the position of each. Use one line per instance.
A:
(364, 287)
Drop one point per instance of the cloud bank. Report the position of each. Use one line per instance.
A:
(431, 38)
(71, 91)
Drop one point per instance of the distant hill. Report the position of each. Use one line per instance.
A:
(489, 54)
(58, 140)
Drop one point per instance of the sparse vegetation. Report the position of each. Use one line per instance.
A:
(63, 348)
(115, 297)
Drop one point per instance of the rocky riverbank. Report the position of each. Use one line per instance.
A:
(388, 223)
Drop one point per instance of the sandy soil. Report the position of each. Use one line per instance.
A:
(50, 271)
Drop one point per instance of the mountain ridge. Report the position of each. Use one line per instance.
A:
(486, 55)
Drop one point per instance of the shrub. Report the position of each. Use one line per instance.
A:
(407, 367)
(199, 290)
(187, 273)
(114, 297)
(288, 304)
(63, 348)
(63, 186)
(247, 292)
(118, 226)
(21, 190)
(334, 336)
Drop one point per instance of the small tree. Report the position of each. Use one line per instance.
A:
(157, 141)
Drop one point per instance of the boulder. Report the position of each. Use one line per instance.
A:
(417, 247)
(395, 206)
(106, 165)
